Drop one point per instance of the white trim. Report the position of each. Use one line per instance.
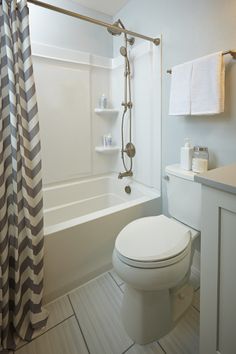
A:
(100, 62)
(58, 53)
(45, 51)
(155, 134)
(70, 56)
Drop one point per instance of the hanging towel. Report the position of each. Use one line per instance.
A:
(208, 85)
(180, 99)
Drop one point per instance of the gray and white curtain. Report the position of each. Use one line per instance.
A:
(21, 216)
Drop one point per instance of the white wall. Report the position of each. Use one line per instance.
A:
(190, 29)
(52, 28)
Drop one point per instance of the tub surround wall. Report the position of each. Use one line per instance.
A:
(64, 108)
(69, 84)
(77, 57)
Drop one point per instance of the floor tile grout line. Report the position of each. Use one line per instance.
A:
(119, 286)
(121, 290)
(77, 320)
(196, 308)
(161, 347)
(49, 329)
(126, 350)
(115, 280)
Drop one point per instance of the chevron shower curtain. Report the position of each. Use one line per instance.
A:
(21, 217)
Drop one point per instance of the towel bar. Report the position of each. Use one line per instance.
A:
(231, 52)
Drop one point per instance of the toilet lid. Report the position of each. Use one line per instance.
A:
(153, 239)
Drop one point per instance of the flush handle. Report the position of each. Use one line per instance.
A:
(166, 178)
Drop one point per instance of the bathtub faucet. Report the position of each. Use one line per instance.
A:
(125, 174)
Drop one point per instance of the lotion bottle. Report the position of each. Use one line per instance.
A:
(186, 155)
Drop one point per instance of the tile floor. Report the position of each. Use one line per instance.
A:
(88, 321)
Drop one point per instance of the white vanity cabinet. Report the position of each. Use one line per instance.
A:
(218, 262)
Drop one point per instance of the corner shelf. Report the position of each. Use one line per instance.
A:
(107, 150)
(106, 112)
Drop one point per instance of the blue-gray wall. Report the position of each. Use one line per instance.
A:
(190, 29)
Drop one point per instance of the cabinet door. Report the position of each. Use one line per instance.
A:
(218, 273)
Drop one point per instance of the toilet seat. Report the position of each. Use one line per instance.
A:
(153, 242)
(154, 265)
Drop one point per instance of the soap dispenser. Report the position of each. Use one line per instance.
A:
(186, 155)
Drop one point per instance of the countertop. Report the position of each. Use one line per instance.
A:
(222, 178)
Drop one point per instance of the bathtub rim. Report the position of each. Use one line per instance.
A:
(48, 230)
(148, 194)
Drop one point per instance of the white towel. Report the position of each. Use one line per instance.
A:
(208, 85)
(180, 99)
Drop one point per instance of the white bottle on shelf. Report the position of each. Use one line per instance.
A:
(103, 102)
(186, 155)
(109, 139)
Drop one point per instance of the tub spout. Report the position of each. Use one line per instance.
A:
(125, 174)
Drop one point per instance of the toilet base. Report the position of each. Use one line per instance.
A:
(150, 315)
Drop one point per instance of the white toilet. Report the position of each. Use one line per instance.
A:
(153, 256)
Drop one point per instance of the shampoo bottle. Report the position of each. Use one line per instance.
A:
(186, 155)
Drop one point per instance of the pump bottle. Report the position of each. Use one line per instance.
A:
(186, 155)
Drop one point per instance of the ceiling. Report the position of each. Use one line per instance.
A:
(109, 7)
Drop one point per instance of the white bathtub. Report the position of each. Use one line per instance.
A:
(82, 220)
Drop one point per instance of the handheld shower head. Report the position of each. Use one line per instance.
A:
(123, 51)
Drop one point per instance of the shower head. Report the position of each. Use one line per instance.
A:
(115, 31)
(233, 53)
(123, 52)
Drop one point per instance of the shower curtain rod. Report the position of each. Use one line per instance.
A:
(231, 52)
(156, 41)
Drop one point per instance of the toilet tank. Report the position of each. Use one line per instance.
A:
(184, 196)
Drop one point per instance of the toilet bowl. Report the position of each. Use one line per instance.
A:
(153, 256)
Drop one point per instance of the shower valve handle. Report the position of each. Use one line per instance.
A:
(130, 150)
